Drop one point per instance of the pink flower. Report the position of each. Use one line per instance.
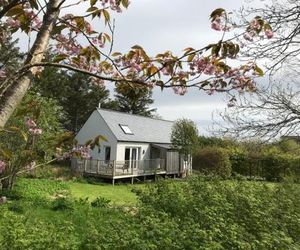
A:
(12, 23)
(269, 33)
(2, 166)
(216, 25)
(30, 123)
(180, 90)
(83, 151)
(254, 24)
(210, 69)
(35, 131)
(249, 36)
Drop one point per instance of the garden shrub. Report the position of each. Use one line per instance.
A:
(62, 203)
(214, 214)
(100, 202)
(212, 161)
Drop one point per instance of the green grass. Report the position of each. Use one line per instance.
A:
(118, 194)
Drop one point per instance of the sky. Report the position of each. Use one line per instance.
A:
(161, 25)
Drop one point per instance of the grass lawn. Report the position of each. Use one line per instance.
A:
(118, 194)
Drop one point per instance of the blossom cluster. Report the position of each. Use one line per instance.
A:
(220, 23)
(32, 127)
(112, 4)
(257, 26)
(28, 15)
(81, 151)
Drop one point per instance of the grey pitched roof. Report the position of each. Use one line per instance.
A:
(144, 129)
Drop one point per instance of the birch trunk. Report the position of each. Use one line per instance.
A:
(14, 95)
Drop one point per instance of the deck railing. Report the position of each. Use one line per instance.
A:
(119, 168)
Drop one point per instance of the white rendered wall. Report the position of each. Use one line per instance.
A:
(93, 127)
(144, 150)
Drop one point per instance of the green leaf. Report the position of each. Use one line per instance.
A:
(125, 3)
(16, 11)
(59, 58)
(191, 57)
(93, 2)
(216, 12)
(137, 47)
(106, 16)
(259, 71)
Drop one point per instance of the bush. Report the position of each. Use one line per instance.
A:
(62, 203)
(100, 202)
(214, 214)
(212, 161)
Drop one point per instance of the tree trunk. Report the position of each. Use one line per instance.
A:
(14, 95)
(6, 184)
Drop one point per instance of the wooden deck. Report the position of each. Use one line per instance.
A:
(123, 169)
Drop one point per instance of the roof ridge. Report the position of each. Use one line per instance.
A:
(141, 116)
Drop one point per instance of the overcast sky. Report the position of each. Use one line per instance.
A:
(160, 25)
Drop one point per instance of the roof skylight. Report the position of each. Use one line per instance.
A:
(126, 129)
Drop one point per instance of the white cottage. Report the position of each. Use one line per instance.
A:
(136, 145)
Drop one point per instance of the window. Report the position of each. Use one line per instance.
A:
(107, 153)
(126, 129)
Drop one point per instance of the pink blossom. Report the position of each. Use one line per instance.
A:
(180, 90)
(12, 23)
(269, 33)
(83, 151)
(249, 36)
(254, 24)
(2, 166)
(35, 131)
(30, 123)
(210, 69)
(216, 24)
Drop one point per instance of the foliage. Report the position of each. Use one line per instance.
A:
(212, 161)
(24, 141)
(81, 47)
(100, 202)
(75, 93)
(134, 99)
(202, 214)
(184, 136)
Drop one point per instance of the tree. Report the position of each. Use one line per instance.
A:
(10, 58)
(184, 136)
(23, 145)
(283, 48)
(79, 47)
(266, 116)
(74, 92)
(273, 111)
(134, 99)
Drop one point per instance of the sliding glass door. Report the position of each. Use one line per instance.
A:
(132, 155)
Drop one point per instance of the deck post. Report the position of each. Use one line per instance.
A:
(131, 180)
(98, 166)
(113, 172)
